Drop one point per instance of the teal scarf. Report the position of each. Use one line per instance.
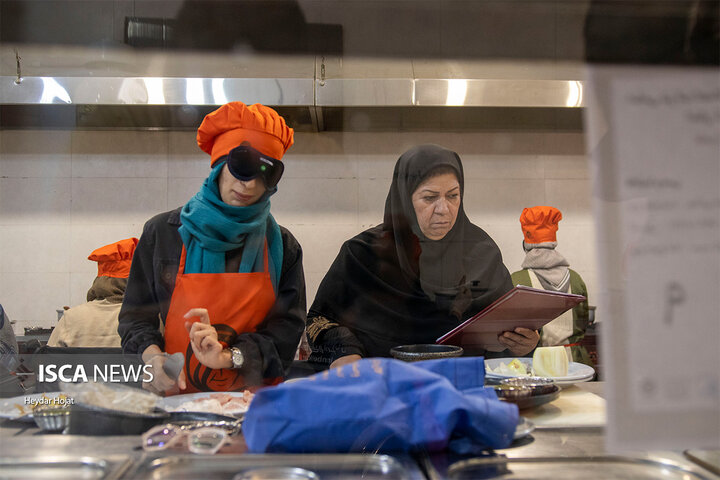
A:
(211, 227)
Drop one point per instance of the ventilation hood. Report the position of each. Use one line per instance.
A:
(115, 88)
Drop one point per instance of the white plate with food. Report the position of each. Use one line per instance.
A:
(577, 372)
(233, 404)
(22, 407)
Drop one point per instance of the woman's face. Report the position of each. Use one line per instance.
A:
(436, 202)
(239, 193)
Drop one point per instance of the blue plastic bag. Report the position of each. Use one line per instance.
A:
(380, 404)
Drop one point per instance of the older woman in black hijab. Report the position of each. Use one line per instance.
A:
(414, 277)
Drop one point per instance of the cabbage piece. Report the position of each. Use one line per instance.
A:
(550, 362)
(517, 367)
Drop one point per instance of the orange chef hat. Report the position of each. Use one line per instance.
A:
(539, 224)
(114, 260)
(235, 123)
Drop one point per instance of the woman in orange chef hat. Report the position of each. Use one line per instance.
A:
(544, 267)
(221, 275)
(95, 323)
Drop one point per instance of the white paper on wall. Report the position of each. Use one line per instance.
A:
(654, 135)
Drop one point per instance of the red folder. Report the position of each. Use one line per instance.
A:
(521, 307)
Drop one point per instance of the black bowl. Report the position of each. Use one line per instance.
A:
(92, 420)
(425, 351)
(531, 401)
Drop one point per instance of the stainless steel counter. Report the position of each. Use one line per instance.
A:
(122, 457)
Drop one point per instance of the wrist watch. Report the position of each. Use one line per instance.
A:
(237, 357)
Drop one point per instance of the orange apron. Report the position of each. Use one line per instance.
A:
(236, 303)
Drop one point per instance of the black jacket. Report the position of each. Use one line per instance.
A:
(268, 351)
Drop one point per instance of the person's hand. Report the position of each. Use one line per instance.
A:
(347, 359)
(204, 340)
(161, 383)
(520, 342)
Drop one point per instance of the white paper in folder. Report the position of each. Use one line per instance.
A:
(654, 135)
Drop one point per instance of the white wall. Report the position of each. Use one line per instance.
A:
(65, 193)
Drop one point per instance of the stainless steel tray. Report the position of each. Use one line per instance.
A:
(558, 468)
(279, 467)
(62, 468)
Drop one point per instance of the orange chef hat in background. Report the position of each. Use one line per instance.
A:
(539, 224)
(114, 260)
(235, 123)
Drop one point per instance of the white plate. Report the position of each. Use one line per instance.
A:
(577, 372)
(16, 407)
(173, 403)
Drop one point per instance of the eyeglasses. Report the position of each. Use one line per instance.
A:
(204, 440)
(246, 163)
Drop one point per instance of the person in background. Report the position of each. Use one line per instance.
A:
(545, 268)
(8, 342)
(95, 323)
(222, 276)
(416, 276)
(11, 383)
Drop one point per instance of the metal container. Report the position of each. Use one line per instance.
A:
(512, 393)
(277, 473)
(63, 468)
(536, 385)
(429, 351)
(558, 468)
(279, 467)
(52, 420)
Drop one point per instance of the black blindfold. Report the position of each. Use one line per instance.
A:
(246, 163)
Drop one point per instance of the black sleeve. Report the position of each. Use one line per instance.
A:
(271, 348)
(139, 319)
(329, 341)
(327, 337)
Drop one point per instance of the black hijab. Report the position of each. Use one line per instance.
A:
(390, 285)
